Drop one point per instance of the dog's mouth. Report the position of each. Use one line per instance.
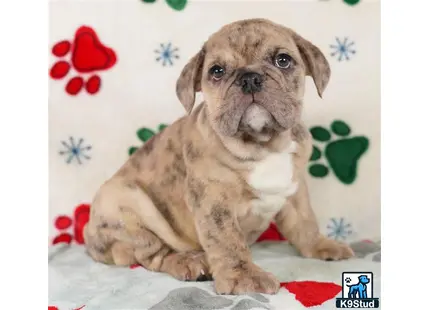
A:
(260, 116)
(257, 123)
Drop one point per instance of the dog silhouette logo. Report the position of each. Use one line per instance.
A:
(357, 291)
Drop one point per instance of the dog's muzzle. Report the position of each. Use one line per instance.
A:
(256, 118)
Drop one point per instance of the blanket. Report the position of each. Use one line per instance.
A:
(77, 282)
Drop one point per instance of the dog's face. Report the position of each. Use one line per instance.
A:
(363, 279)
(252, 75)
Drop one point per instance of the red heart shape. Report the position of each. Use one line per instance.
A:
(89, 54)
(82, 215)
(312, 293)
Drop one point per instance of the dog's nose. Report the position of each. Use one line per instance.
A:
(251, 82)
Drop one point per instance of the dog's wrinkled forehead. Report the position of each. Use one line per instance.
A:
(248, 41)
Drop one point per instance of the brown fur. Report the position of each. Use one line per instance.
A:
(185, 203)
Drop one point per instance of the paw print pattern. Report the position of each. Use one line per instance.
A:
(55, 308)
(196, 298)
(86, 55)
(341, 153)
(312, 293)
(182, 297)
(144, 134)
(177, 5)
(271, 233)
(351, 2)
(63, 223)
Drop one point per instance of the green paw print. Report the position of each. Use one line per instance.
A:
(144, 134)
(351, 2)
(342, 153)
(177, 5)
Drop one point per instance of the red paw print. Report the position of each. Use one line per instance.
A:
(63, 223)
(55, 308)
(312, 293)
(271, 233)
(86, 55)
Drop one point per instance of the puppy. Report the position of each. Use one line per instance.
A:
(193, 198)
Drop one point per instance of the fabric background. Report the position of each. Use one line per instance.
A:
(91, 131)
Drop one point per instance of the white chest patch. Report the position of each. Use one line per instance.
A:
(272, 181)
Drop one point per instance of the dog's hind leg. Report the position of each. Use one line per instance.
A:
(154, 255)
(129, 246)
(103, 247)
(126, 227)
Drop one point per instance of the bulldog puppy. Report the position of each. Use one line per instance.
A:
(193, 198)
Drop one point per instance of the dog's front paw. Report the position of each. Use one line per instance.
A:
(244, 280)
(328, 249)
(187, 266)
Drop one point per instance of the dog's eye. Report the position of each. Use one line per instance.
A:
(283, 61)
(216, 72)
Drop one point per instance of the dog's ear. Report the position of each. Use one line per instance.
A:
(189, 82)
(316, 64)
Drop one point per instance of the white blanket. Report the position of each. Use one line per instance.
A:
(77, 282)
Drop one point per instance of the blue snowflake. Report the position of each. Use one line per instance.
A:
(343, 49)
(167, 54)
(75, 150)
(339, 229)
